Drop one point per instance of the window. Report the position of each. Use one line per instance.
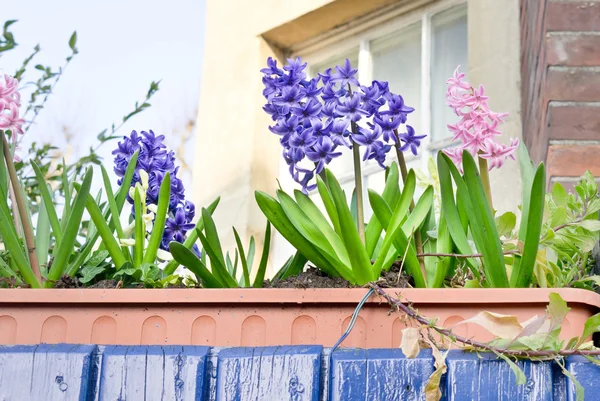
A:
(415, 52)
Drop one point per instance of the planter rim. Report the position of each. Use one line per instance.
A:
(293, 296)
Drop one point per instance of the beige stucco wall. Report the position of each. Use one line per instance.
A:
(494, 60)
(236, 154)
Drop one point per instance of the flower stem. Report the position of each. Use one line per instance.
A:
(485, 179)
(27, 229)
(418, 240)
(15, 211)
(360, 216)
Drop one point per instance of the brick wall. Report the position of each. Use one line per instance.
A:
(561, 85)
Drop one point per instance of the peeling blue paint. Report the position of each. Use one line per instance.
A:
(68, 372)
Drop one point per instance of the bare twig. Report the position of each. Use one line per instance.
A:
(457, 255)
(411, 313)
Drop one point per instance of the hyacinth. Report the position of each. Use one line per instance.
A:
(314, 117)
(10, 101)
(478, 125)
(156, 161)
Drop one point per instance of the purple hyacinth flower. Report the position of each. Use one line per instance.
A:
(320, 130)
(301, 141)
(272, 68)
(339, 133)
(351, 108)
(177, 226)
(411, 140)
(285, 127)
(290, 96)
(397, 108)
(322, 153)
(310, 110)
(367, 138)
(345, 74)
(387, 126)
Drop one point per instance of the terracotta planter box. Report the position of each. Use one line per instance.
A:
(257, 317)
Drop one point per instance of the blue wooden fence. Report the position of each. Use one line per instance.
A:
(299, 373)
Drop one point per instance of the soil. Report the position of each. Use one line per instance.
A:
(310, 278)
(68, 282)
(315, 278)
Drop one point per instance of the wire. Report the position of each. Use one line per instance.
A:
(346, 333)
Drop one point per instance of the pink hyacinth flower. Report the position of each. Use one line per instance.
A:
(10, 120)
(455, 154)
(456, 81)
(8, 92)
(496, 153)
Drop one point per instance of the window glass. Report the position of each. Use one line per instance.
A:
(397, 59)
(448, 50)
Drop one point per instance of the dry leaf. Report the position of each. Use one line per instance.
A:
(532, 326)
(432, 388)
(410, 342)
(503, 326)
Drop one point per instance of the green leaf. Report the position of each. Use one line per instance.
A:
(192, 237)
(121, 196)
(88, 273)
(158, 228)
(519, 375)
(400, 241)
(590, 225)
(66, 245)
(264, 258)
(104, 231)
(42, 239)
(48, 203)
(527, 173)
(506, 223)
(419, 213)
(212, 236)
(484, 226)
(114, 211)
(360, 261)
(592, 325)
(557, 310)
(314, 217)
(250, 256)
(329, 205)
(443, 245)
(6, 271)
(276, 215)
(292, 267)
(67, 193)
(187, 258)
(559, 195)
(140, 227)
(309, 230)
(73, 42)
(579, 390)
(450, 210)
(245, 272)
(521, 275)
(391, 192)
(3, 172)
(217, 263)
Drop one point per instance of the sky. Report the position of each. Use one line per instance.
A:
(123, 46)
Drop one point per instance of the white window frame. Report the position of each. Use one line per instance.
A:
(358, 36)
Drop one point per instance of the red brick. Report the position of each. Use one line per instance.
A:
(573, 84)
(573, 50)
(573, 160)
(573, 16)
(574, 122)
